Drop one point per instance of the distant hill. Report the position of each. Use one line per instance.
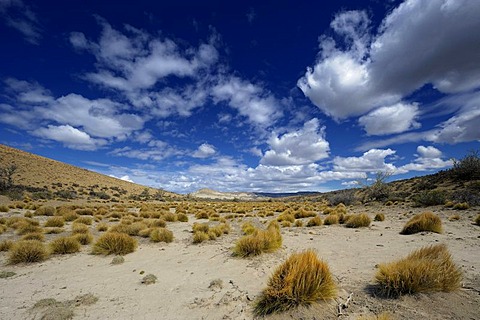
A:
(209, 194)
(44, 178)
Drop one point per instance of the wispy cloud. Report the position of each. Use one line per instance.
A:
(19, 16)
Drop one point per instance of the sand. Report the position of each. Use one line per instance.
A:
(204, 281)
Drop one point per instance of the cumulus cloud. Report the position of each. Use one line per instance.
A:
(70, 137)
(124, 178)
(427, 158)
(19, 16)
(397, 118)
(371, 161)
(303, 146)
(204, 151)
(418, 43)
(99, 120)
(260, 107)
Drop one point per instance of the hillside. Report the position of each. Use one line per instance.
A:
(44, 178)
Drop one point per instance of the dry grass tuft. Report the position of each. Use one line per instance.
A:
(45, 211)
(331, 219)
(84, 238)
(426, 221)
(314, 222)
(27, 251)
(200, 236)
(5, 245)
(428, 269)
(65, 245)
(259, 241)
(379, 217)
(477, 220)
(79, 228)
(55, 222)
(84, 220)
(161, 235)
(358, 221)
(34, 236)
(114, 243)
(301, 280)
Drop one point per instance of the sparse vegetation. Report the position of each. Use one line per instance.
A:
(331, 219)
(301, 280)
(379, 217)
(114, 243)
(27, 251)
(358, 221)
(65, 245)
(161, 235)
(259, 241)
(314, 222)
(428, 269)
(430, 198)
(467, 168)
(477, 220)
(55, 222)
(426, 221)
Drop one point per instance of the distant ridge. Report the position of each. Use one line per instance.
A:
(47, 175)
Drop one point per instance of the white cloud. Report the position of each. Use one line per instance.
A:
(303, 146)
(371, 161)
(428, 158)
(260, 107)
(70, 137)
(204, 151)
(418, 43)
(124, 178)
(157, 151)
(397, 118)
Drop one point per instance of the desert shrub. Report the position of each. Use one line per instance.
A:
(182, 217)
(313, 222)
(159, 223)
(149, 279)
(4, 208)
(477, 220)
(298, 223)
(430, 198)
(55, 222)
(34, 236)
(286, 217)
(53, 230)
(461, 206)
(161, 235)
(203, 227)
(114, 243)
(117, 260)
(102, 227)
(426, 221)
(2, 228)
(85, 212)
(358, 221)
(346, 197)
(200, 236)
(85, 220)
(79, 228)
(45, 211)
(331, 219)
(428, 269)
(27, 226)
(379, 217)
(132, 229)
(70, 215)
(259, 241)
(27, 251)
(170, 217)
(65, 245)
(248, 228)
(301, 280)
(467, 168)
(5, 245)
(202, 215)
(454, 217)
(83, 238)
(303, 213)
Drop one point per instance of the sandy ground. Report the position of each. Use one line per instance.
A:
(205, 281)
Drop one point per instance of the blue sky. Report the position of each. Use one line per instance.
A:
(263, 96)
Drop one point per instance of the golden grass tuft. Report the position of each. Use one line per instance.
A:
(45, 211)
(314, 222)
(379, 217)
(65, 245)
(84, 238)
(248, 228)
(102, 227)
(114, 243)
(427, 269)
(161, 235)
(200, 236)
(426, 221)
(358, 221)
(331, 219)
(259, 241)
(79, 228)
(301, 280)
(34, 236)
(27, 251)
(5, 245)
(55, 222)
(477, 220)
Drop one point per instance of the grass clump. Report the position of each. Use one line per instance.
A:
(477, 220)
(461, 206)
(358, 221)
(114, 243)
(45, 211)
(259, 241)
(55, 222)
(5, 245)
(84, 238)
(84, 220)
(161, 235)
(79, 228)
(200, 236)
(425, 270)
(27, 251)
(65, 245)
(314, 222)
(331, 219)
(301, 280)
(426, 221)
(379, 217)
(34, 236)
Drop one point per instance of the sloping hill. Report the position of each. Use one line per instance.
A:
(44, 178)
